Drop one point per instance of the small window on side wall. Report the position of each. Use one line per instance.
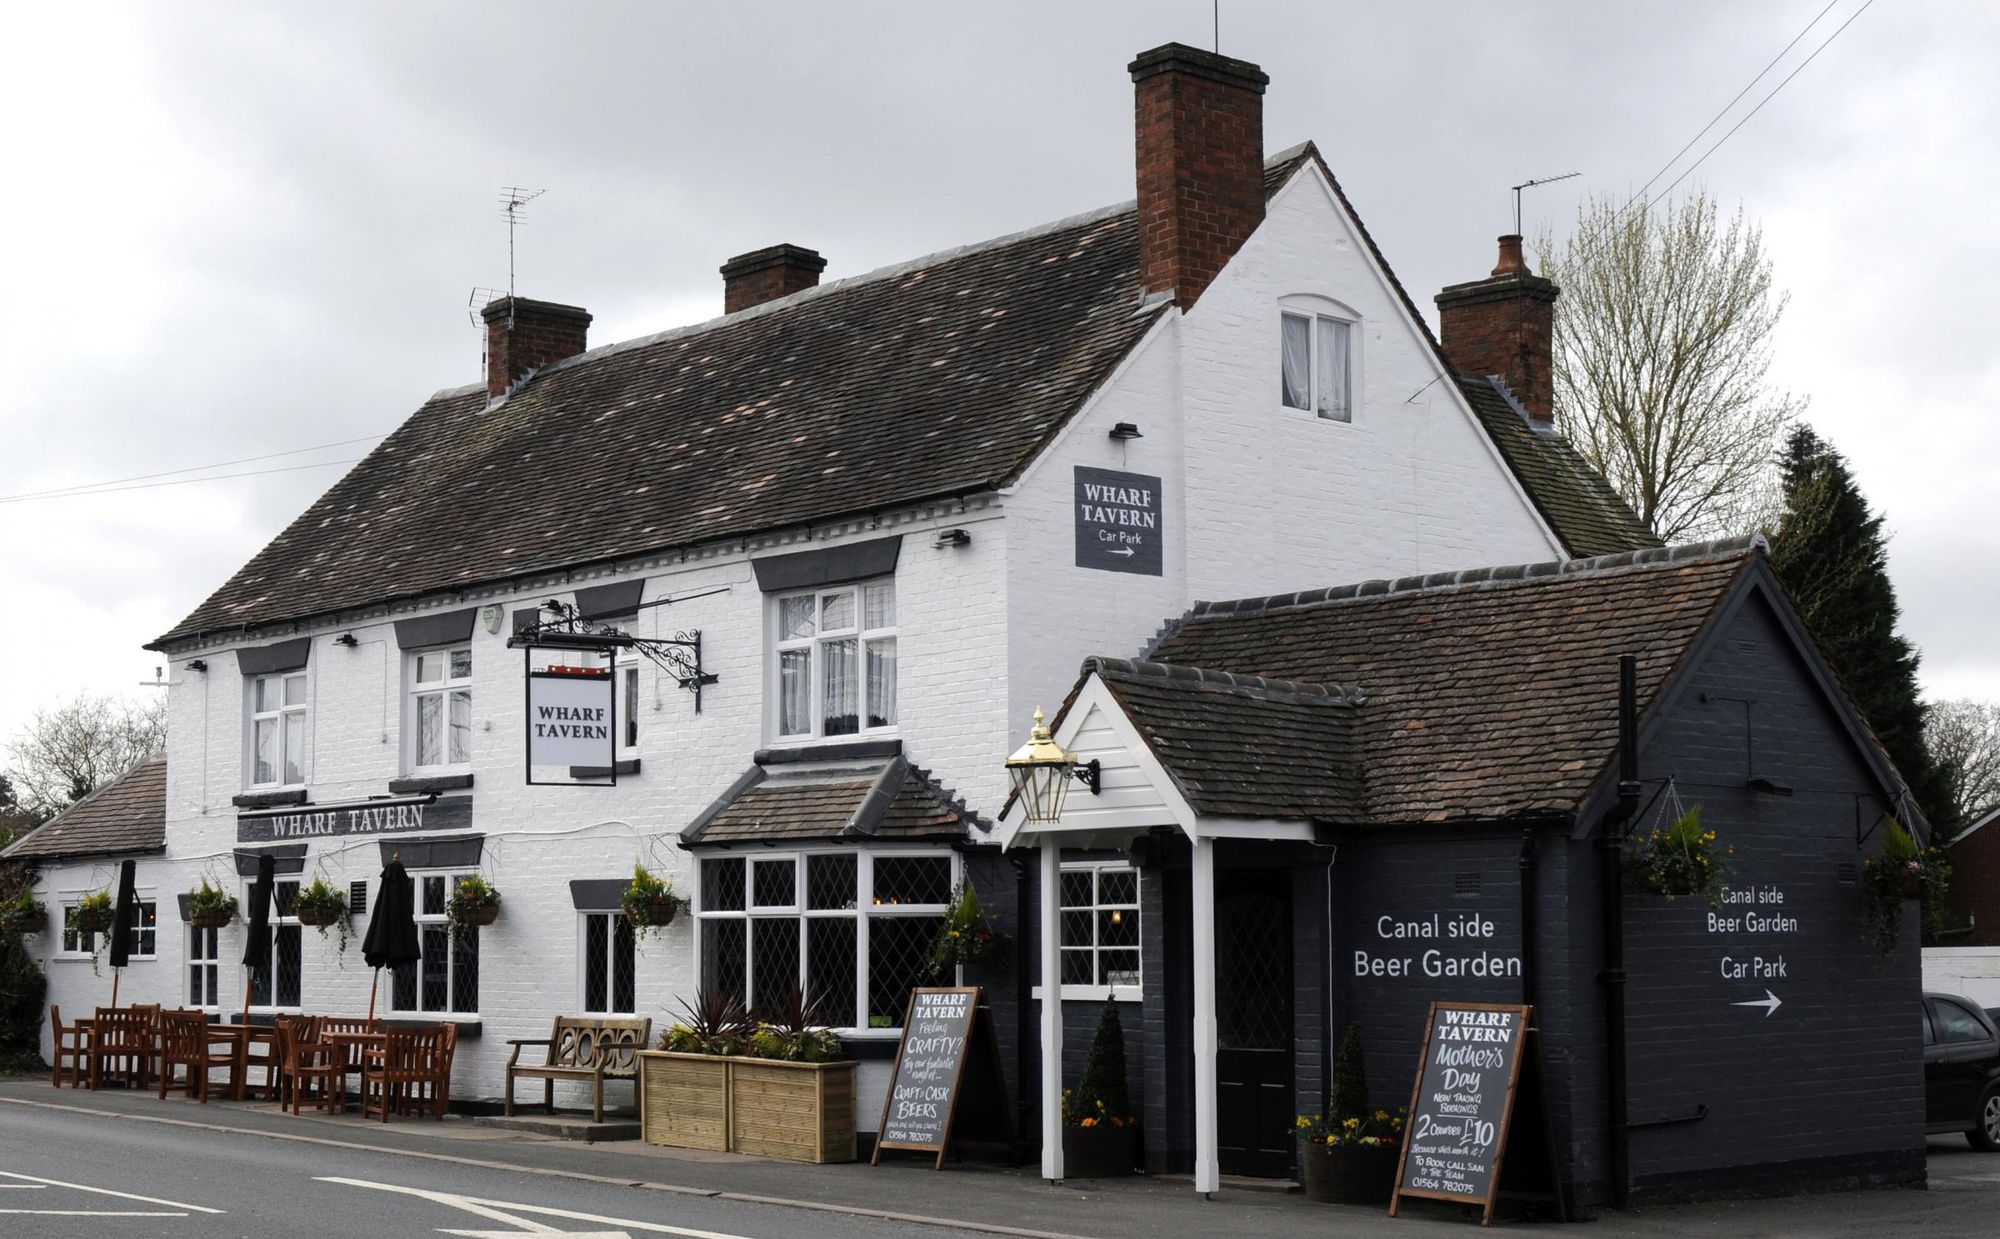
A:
(1316, 369)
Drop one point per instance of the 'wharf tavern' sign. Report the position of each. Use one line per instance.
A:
(1117, 521)
(451, 813)
(923, 1085)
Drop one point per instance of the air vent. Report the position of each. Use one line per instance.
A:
(1844, 871)
(1465, 884)
(357, 898)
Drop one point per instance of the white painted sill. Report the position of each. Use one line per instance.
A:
(1093, 993)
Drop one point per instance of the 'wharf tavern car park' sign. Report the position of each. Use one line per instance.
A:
(1118, 521)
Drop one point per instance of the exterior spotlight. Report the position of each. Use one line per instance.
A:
(953, 537)
(198, 664)
(1126, 430)
(1042, 772)
(347, 639)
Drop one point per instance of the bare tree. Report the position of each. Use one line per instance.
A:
(1964, 739)
(70, 749)
(1662, 347)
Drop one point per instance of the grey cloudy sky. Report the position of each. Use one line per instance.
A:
(234, 230)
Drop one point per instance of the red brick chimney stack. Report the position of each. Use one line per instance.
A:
(524, 335)
(768, 274)
(1505, 325)
(1200, 135)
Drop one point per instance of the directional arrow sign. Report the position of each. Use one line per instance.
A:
(1126, 551)
(1770, 1002)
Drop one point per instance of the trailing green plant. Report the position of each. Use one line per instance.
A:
(1903, 871)
(93, 914)
(713, 1023)
(210, 903)
(23, 986)
(650, 902)
(793, 1031)
(22, 913)
(965, 937)
(323, 907)
(1102, 1098)
(473, 901)
(1679, 858)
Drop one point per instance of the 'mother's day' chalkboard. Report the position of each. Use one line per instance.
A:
(923, 1090)
(1463, 1104)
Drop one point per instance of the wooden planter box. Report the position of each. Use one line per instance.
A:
(802, 1112)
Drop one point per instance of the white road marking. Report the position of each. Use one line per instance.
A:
(493, 1209)
(105, 1191)
(89, 1213)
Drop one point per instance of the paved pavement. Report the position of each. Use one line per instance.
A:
(115, 1164)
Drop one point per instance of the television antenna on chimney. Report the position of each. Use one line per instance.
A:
(159, 679)
(1546, 180)
(513, 202)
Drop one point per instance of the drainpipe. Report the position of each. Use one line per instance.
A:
(1530, 874)
(1611, 850)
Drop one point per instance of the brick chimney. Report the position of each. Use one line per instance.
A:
(524, 335)
(1200, 136)
(1505, 325)
(768, 274)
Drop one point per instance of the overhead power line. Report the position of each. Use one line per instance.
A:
(96, 487)
(220, 477)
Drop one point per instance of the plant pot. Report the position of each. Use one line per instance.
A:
(798, 1111)
(92, 922)
(1102, 1152)
(478, 918)
(655, 915)
(315, 917)
(210, 920)
(1911, 885)
(1352, 1174)
(1653, 882)
(33, 921)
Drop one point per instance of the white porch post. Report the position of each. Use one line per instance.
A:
(1207, 1176)
(1052, 1152)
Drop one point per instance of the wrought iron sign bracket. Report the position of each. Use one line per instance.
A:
(679, 656)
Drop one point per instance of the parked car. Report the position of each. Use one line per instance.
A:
(1961, 1070)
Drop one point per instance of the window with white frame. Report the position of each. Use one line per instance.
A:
(144, 943)
(278, 729)
(279, 986)
(446, 979)
(441, 707)
(851, 930)
(608, 964)
(75, 941)
(625, 668)
(1317, 366)
(204, 959)
(834, 664)
(1100, 927)
(146, 931)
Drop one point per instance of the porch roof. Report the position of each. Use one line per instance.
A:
(887, 800)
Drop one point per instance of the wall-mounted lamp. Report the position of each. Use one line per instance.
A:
(1042, 772)
(953, 537)
(197, 664)
(347, 639)
(1126, 430)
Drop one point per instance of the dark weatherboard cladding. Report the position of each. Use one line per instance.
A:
(1118, 521)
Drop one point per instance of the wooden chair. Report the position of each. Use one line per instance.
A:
(71, 1043)
(581, 1049)
(121, 1045)
(350, 1053)
(307, 1060)
(412, 1069)
(185, 1041)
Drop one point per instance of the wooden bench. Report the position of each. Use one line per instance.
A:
(581, 1049)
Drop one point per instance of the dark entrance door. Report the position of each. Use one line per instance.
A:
(1253, 1019)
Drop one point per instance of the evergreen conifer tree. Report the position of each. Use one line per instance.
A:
(1833, 557)
(1350, 1078)
(1104, 1069)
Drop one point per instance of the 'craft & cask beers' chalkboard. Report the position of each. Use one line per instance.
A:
(1463, 1105)
(923, 1088)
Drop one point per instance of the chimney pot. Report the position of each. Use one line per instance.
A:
(1199, 128)
(768, 274)
(1505, 325)
(524, 335)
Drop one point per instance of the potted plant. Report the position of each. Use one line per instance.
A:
(93, 913)
(323, 907)
(1902, 872)
(24, 914)
(1100, 1132)
(1350, 1157)
(473, 902)
(210, 907)
(1679, 858)
(649, 901)
(963, 938)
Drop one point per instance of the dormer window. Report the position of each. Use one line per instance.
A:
(1317, 366)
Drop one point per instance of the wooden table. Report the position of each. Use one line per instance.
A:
(246, 1035)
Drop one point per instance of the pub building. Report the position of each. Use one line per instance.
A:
(833, 549)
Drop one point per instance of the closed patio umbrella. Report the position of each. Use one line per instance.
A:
(124, 924)
(392, 926)
(257, 943)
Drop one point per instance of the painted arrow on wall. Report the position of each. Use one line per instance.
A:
(1126, 551)
(1770, 1002)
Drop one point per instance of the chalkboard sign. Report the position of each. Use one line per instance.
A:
(923, 1088)
(1463, 1104)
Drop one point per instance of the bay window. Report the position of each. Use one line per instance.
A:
(851, 930)
(441, 707)
(278, 729)
(835, 660)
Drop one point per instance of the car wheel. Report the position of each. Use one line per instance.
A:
(1986, 1136)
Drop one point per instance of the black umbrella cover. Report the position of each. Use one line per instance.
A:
(124, 916)
(392, 925)
(257, 942)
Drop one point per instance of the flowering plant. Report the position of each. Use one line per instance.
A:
(1679, 858)
(323, 906)
(93, 913)
(24, 913)
(649, 901)
(1903, 871)
(965, 937)
(1378, 1128)
(473, 901)
(209, 907)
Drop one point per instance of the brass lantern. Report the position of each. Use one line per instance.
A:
(1042, 771)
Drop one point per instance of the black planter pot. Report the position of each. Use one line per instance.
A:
(1349, 1174)
(1100, 1152)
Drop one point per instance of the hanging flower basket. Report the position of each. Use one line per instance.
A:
(478, 917)
(1678, 858)
(33, 920)
(210, 907)
(93, 915)
(649, 901)
(210, 920)
(1904, 871)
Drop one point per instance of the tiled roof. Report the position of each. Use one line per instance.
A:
(128, 814)
(1485, 694)
(886, 800)
(1572, 497)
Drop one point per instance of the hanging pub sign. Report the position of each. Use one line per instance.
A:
(1118, 521)
(572, 721)
(1464, 1110)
